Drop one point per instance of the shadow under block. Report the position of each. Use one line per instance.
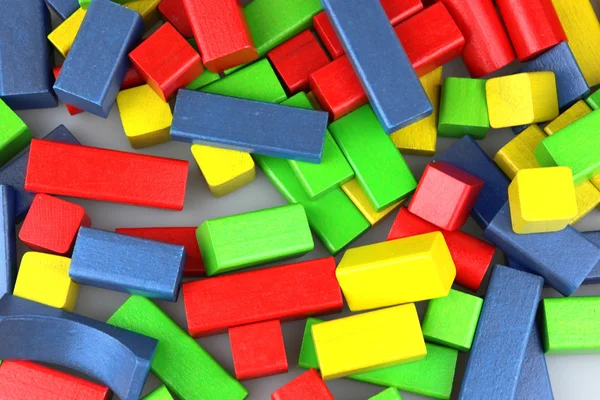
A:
(368, 341)
(309, 385)
(174, 12)
(463, 109)
(333, 217)
(179, 362)
(295, 291)
(22, 380)
(63, 8)
(63, 36)
(8, 244)
(106, 175)
(258, 350)
(378, 166)
(127, 264)
(571, 325)
(161, 393)
(14, 134)
(534, 381)
(451, 321)
(94, 87)
(25, 67)
(521, 99)
(359, 198)
(388, 81)
(117, 358)
(505, 324)
(577, 111)
(387, 394)
(565, 258)
(518, 154)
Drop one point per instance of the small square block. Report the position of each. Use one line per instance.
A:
(387, 394)
(14, 134)
(463, 109)
(452, 320)
(542, 200)
(445, 195)
(309, 385)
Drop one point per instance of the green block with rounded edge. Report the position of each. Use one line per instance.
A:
(179, 362)
(162, 393)
(452, 320)
(594, 100)
(463, 108)
(387, 394)
(14, 134)
(571, 325)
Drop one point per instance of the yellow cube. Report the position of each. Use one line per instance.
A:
(45, 278)
(519, 154)
(575, 112)
(368, 341)
(521, 99)
(63, 36)
(360, 200)
(398, 271)
(542, 200)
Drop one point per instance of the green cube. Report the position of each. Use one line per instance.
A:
(594, 100)
(452, 320)
(388, 394)
(162, 393)
(463, 109)
(14, 134)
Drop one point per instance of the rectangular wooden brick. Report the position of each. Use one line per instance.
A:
(534, 382)
(571, 325)
(8, 245)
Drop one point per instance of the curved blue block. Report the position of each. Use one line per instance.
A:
(63, 8)
(118, 358)
(8, 245)
(534, 382)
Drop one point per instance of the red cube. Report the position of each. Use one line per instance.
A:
(309, 385)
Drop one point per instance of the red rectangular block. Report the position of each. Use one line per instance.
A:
(23, 380)
(183, 236)
(132, 79)
(398, 10)
(71, 109)
(258, 350)
(309, 385)
(287, 292)
(106, 175)
(173, 11)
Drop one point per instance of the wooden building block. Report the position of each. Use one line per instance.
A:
(14, 134)
(179, 362)
(148, 9)
(161, 393)
(519, 154)
(593, 100)
(577, 111)
(395, 272)
(571, 325)
(368, 341)
(521, 99)
(132, 79)
(86, 3)
(70, 109)
(295, 292)
(173, 11)
(445, 195)
(205, 78)
(458, 95)
(399, 10)
(296, 59)
(63, 36)
(95, 89)
(587, 197)
(451, 321)
(374, 158)
(24, 380)
(309, 385)
(8, 246)
(387, 394)
(360, 200)
(258, 237)
(26, 78)
(534, 382)
(258, 350)
(63, 8)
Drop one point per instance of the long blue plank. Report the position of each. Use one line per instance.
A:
(63, 8)
(8, 245)
(534, 382)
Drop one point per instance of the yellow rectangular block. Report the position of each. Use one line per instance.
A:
(420, 138)
(146, 118)
(44, 278)
(575, 112)
(224, 170)
(521, 99)
(519, 154)
(360, 200)
(596, 181)
(397, 271)
(542, 200)
(587, 197)
(63, 36)
(368, 341)
(148, 9)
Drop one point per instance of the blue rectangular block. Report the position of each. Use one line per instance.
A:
(92, 74)
(63, 8)
(467, 155)
(502, 335)
(384, 70)
(25, 57)
(564, 258)
(247, 125)
(8, 244)
(127, 264)
(534, 382)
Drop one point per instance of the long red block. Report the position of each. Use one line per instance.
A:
(24, 380)
(258, 350)
(52, 224)
(71, 109)
(183, 236)
(105, 175)
(287, 292)
(132, 79)
(533, 26)
(471, 256)
(173, 11)
(309, 385)
(166, 61)
(487, 48)
(398, 10)
(296, 59)
(221, 32)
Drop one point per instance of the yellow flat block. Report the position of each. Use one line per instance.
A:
(224, 170)
(44, 278)
(368, 341)
(542, 200)
(148, 9)
(146, 118)
(397, 271)
(63, 36)
(575, 112)
(587, 197)
(420, 138)
(521, 99)
(583, 33)
(360, 200)
(519, 154)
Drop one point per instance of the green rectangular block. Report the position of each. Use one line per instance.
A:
(162, 393)
(258, 237)
(594, 100)
(205, 78)
(179, 362)
(576, 146)
(378, 166)
(14, 134)
(572, 325)
(333, 217)
(333, 171)
(388, 394)
(463, 108)
(86, 3)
